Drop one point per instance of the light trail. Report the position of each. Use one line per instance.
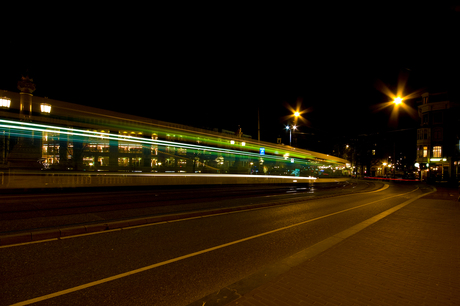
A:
(27, 126)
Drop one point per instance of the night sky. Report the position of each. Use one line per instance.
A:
(214, 67)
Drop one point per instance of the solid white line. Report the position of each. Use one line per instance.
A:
(108, 279)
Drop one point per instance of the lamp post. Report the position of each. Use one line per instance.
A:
(397, 101)
(290, 128)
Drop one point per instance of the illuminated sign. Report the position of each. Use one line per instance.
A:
(262, 151)
(292, 160)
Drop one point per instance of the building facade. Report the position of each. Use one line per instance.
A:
(438, 137)
(387, 154)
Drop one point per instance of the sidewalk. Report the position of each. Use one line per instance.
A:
(410, 257)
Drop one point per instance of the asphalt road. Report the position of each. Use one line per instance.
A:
(44, 210)
(177, 263)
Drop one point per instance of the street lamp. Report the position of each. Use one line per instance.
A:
(290, 128)
(292, 125)
(398, 100)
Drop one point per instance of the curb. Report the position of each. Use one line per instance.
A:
(67, 231)
(35, 236)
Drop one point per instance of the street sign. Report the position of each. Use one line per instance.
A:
(262, 151)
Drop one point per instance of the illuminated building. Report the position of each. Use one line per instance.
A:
(385, 154)
(438, 137)
(47, 134)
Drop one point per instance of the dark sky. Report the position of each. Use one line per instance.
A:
(214, 66)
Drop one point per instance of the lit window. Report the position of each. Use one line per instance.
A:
(5, 102)
(88, 161)
(123, 161)
(103, 160)
(437, 152)
(136, 161)
(425, 151)
(45, 108)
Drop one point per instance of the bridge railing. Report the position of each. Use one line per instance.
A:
(43, 179)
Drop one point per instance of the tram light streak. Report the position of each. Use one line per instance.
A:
(271, 153)
(130, 139)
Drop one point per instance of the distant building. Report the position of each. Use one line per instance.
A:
(438, 137)
(386, 154)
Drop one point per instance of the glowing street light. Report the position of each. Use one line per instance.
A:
(397, 100)
(290, 128)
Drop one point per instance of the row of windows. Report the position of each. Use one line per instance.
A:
(52, 140)
(50, 148)
(103, 161)
(436, 118)
(124, 147)
(53, 148)
(427, 134)
(51, 143)
(423, 151)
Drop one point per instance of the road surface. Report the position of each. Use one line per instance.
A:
(180, 262)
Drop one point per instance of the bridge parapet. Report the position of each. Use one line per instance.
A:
(43, 180)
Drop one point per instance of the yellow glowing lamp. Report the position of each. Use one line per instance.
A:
(397, 100)
(296, 114)
(5, 102)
